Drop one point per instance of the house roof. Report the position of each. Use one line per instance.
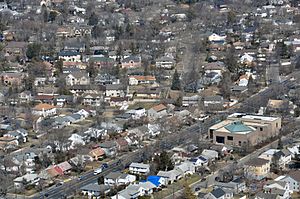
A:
(159, 107)
(277, 103)
(217, 193)
(143, 78)
(52, 172)
(113, 175)
(295, 175)
(262, 195)
(257, 162)
(41, 107)
(64, 166)
(154, 180)
(237, 126)
(94, 187)
(97, 152)
(139, 165)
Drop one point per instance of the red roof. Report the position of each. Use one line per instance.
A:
(58, 170)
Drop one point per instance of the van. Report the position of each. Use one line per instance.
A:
(98, 170)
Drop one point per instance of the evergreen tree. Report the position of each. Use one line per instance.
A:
(33, 50)
(93, 20)
(225, 85)
(176, 81)
(280, 144)
(188, 193)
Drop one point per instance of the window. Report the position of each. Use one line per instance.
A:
(240, 143)
(276, 125)
(211, 134)
(261, 129)
(229, 138)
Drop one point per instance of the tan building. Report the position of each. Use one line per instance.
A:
(257, 168)
(244, 130)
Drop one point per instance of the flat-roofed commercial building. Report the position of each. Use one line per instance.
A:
(244, 130)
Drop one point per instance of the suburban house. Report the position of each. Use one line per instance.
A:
(157, 111)
(165, 62)
(170, 176)
(282, 158)
(92, 100)
(44, 110)
(110, 148)
(243, 130)
(293, 179)
(131, 62)
(157, 181)
(77, 78)
(280, 188)
(10, 78)
(97, 153)
(101, 61)
(277, 106)
(147, 93)
(16, 48)
(187, 168)
(211, 155)
(219, 193)
(139, 79)
(257, 168)
(19, 134)
(69, 56)
(94, 190)
(139, 168)
(269, 154)
(28, 179)
(8, 142)
(118, 178)
(213, 101)
(115, 90)
(118, 101)
(199, 161)
(215, 38)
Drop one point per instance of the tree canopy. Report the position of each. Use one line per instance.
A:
(176, 85)
(33, 50)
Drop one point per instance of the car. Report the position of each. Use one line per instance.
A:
(104, 165)
(197, 189)
(59, 184)
(98, 170)
(80, 178)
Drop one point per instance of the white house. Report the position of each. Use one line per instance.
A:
(139, 79)
(246, 59)
(199, 161)
(115, 90)
(77, 78)
(69, 56)
(187, 168)
(210, 154)
(293, 179)
(157, 111)
(278, 187)
(216, 38)
(139, 168)
(170, 176)
(282, 158)
(137, 113)
(30, 179)
(165, 62)
(268, 155)
(118, 178)
(44, 110)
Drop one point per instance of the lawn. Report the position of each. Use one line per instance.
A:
(172, 188)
